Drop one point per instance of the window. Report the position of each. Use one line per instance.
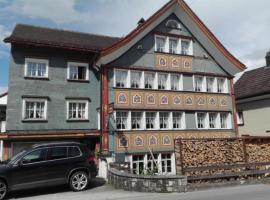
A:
(173, 45)
(78, 71)
(34, 156)
(177, 120)
(173, 24)
(185, 45)
(121, 79)
(164, 120)
(57, 153)
(210, 84)
(162, 81)
(198, 81)
(221, 85)
(240, 118)
(166, 163)
(224, 120)
(74, 152)
(135, 79)
(136, 120)
(160, 44)
(201, 119)
(175, 82)
(121, 120)
(138, 164)
(149, 80)
(212, 120)
(34, 109)
(77, 110)
(37, 68)
(152, 162)
(150, 120)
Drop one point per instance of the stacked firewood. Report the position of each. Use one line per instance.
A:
(258, 152)
(199, 153)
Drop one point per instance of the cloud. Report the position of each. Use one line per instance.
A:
(3, 89)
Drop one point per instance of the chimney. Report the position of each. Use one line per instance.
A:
(267, 57)
(141, 21)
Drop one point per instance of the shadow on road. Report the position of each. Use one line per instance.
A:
(98, 182)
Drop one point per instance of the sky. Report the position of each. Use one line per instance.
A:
(242, 26)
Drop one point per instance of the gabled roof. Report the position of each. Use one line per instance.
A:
(111, 53)
(253, 83)
(34, 35)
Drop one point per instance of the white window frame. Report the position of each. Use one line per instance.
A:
(77, 102)
(180, 87)
(154, 80)
(36, 60)
(141, 80)
(213, 85)
(190, 48)
(225, 85)
(165, 44)
(43, 100)
(78, 64)
(168, 121)
(203, 86)
(155, 119)
(228, 120)
(166, 83)
(128, 124)
(240, 118)
(216, 120)
(182, 120)
(205, 120)
(141, 120)
(127, 84)
(177, 45)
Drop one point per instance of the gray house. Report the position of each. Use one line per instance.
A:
(54, 89)
(252, 93)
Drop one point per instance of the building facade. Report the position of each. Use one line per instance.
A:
(253, 101)
(169, 78)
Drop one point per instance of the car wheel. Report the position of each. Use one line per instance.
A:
(78, 181)
(3, 189)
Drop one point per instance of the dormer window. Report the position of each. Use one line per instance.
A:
(173, 24)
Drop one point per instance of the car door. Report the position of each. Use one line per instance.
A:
(58, 164)
(30, 171)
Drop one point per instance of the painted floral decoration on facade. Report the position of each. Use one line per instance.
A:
(164, 100)
(176, 100)
(137, 99)
(189, 100)
(122, 98)
(123, 142)
(201, 101)
(152, 140)
(175, 62)
(138, 141)
(223, 102)
(151, 99)
(186, 64)
(162, 62)
(166, 140)
(212, 101)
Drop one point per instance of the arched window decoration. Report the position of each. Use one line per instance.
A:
(173, 24)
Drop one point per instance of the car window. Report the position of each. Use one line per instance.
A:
(57, 153)
(34, 156)
(74, 151)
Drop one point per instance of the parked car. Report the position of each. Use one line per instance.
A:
(48, 164)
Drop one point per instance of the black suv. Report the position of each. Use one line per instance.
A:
(48, 164)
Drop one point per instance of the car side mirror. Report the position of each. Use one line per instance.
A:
(20, 163)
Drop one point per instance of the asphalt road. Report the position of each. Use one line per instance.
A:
(100, 191)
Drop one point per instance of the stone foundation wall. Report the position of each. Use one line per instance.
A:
(141, 183)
